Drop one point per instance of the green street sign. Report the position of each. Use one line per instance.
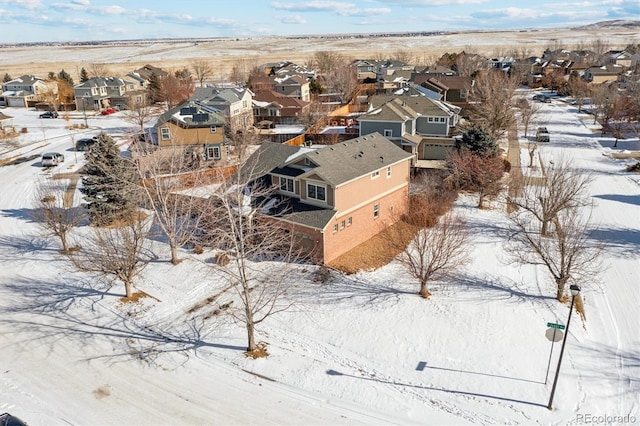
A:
(554, 325)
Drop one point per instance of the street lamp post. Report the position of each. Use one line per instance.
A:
(575, 290)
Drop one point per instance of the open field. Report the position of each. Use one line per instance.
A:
(122, 57)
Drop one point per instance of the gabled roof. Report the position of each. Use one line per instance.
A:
(215, 96)
(401, 108)
(25, 80)
(176, 116)
(289, 105)
(452, 82)
(102, 82)
(345, 161)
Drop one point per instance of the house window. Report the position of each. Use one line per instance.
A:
(388, 133)
(443, 119)
(286, 184)
(429, 119)
(376, 210)
(165, 133)
(213, 129)
(273, 112)
(375, 174)
(307, 162)
(316, 192)
(388, 172)
(463, 93)
(335, 228)
(341, 225)
(213, 153)
(349, 221)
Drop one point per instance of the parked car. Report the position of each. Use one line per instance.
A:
(51, 159)
(108, 111)
(49, 114)
(542, 134)
(7, 419)
(85, 143)
(542, 98)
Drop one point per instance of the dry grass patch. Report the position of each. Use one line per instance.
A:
(259, 352)
(137, 297)
(374, 253)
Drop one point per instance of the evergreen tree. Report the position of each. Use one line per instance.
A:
(63, 75)
(109, 186)
(51, 75)
(154, 88)
(6, 78)
(478, 141)
(84, 75)
(315, 87)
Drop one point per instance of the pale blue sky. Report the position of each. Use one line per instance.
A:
(73, 20)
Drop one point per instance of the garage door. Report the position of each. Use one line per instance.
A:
(17, 102)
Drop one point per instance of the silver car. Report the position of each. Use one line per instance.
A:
(51, 159)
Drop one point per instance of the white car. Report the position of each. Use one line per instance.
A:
(51, 159)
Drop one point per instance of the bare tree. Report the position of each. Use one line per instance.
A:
(344, 81)
(528, 111)
(476, 173)
(599, 47)
(568, 253)
(562, 187)
(468, 64)
(403, 56)
(257, 251)
(54, 211)
(175, 90)
(325, 61)
(531, 150)
(139, 112)
(433, 252)
(116, 253)
(491, 102)
(202, 70)
(163, 174)
(99, 70)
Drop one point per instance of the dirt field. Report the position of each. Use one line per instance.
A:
(124, 57)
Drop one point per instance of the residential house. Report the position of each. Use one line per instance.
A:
(602, 74)
(394, 80)
(293, 86)
(618, 57)
(420, 125)
(432, 70)
(503, 63)
(99, 93)
(337, 196)
(365, 70)
(147, 70)
(235, 104)
(274, 107)
(26, 91)
(453, 89)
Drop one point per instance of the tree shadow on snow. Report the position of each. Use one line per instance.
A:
(467, 287)
(620, 241)
(52, 315)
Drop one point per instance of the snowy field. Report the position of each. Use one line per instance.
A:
(360, 349)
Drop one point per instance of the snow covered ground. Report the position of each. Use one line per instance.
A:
(360, 349)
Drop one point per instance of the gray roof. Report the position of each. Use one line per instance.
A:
(215, 96)
(340, 163)
(394, 108)
(174, 115)
(267, 157)
(28, 80)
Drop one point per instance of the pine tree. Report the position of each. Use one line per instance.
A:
(6, 78)
(84, 75)
(478, 141)
(109, 186)
(63, 75)
(154, 88)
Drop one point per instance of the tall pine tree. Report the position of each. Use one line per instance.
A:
(478, 141)
(155, 88)
(63, 75)
(109, 185)
(84, 75)
(6, 78)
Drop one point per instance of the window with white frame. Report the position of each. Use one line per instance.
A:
(388, 172)
(341, 225)
(213, 152)
(429, 119)
(286, 184)
(349, 221)
(335, 228)
(316, 192)
(375, 174)
(388, 133)
(213, 129)
(376, 210)
(165, 133)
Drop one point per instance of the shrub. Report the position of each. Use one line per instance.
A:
(635, 168)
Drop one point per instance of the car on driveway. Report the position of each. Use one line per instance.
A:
(108, 111)
(542, 134)
(51, 159)
(49, 114)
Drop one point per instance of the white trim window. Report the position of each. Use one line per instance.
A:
(349, 221)
(375, 174)
(388, 133)
(213, 153)
(286, 184)
(376, 210)
(213, 129)
(165, 133)
(316, 192)
(388, 172)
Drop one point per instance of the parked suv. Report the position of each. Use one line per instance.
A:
(85, 144)
(51, 159)
(49, 114)
(542, 134)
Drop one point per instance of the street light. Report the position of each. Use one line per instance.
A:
(575, 290)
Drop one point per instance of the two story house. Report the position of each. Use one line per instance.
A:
(337, 196)
(25, 91)
(99, 93)
(272, 106)
(420, 125)
(234, 104)
(453, 89)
